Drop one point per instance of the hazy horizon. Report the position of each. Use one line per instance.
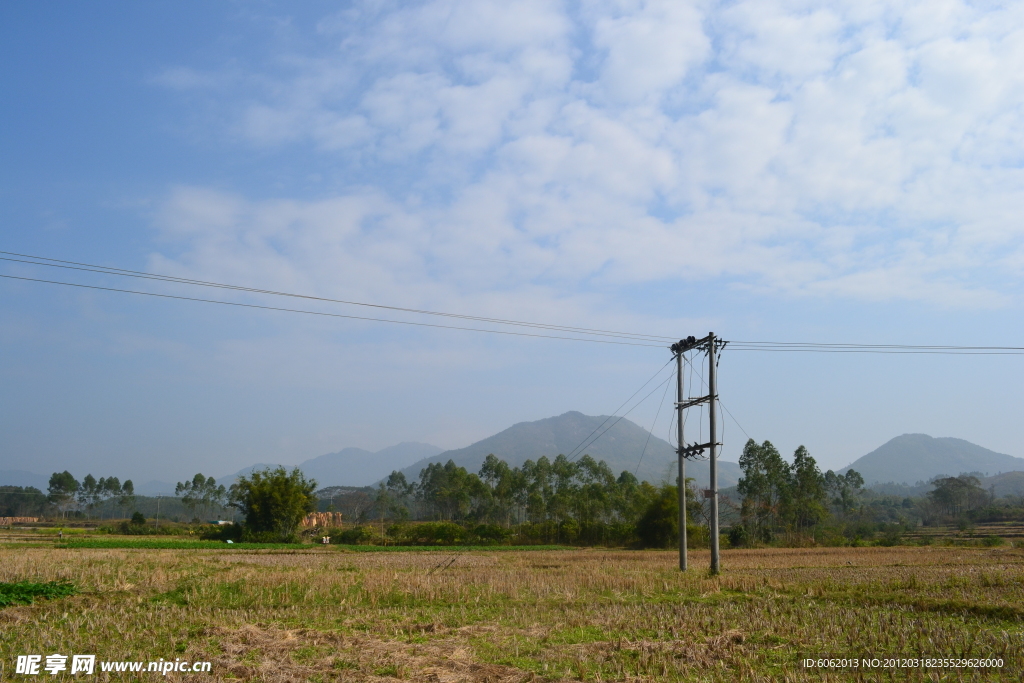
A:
(843, 173)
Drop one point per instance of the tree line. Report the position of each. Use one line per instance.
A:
(780, 497)
(558, 500)
(66, 493)
(544, 500)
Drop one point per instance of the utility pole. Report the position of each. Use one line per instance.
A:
(713, 445)
(712, 346)
(682, 462)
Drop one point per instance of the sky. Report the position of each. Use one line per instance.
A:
(766, 170)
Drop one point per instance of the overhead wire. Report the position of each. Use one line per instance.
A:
(106, 270)
(634, 338)
(586, 443)
(654, 424)
(329, 315)
(621, 417)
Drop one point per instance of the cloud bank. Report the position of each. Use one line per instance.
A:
(538, 151)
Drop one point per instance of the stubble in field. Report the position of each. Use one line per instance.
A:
(325, 614)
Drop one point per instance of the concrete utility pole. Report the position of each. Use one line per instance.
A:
(682, 462)
(713, 444)
(712, 346)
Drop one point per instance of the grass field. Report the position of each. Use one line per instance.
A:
(325, 614)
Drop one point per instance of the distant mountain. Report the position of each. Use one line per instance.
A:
(229, 479)
(621, 447)
(351, 466)
(912, 458)
(358, 467)
(1005, 484)
(23, 478)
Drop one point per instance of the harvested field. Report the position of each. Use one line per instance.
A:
(324, 614)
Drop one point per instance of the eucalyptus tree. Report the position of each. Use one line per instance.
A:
(450, 491)
(843, 490)
(202, 492)
(765, 488)
(808, 498)
(61, 491)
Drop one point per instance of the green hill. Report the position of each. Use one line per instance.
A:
(621, 447)
(911, 458)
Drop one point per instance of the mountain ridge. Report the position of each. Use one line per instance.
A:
(912, 458)
(623, 444)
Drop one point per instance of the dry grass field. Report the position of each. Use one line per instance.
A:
(597, 615)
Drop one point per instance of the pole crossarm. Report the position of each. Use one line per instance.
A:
(689, 403)
(690, 343)
(696, 449)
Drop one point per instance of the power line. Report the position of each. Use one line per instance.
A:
(620, 418)
(106, 270)
(572, 453)
(814, 347)
(628, 338)
(328, 315)
(653, 426)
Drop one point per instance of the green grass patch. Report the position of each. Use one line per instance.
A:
(453, 549)
(173, 544)
(151, 543)
(25, 592)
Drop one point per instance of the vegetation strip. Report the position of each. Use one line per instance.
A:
(25, 592)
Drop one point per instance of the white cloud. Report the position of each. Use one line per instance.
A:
(865, 150)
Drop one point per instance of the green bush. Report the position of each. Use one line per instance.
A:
(250, 536)
(24, 592)
(274, 501)
(487, 534)
(138, 518)
(992, 541)
(891, 536)
(739, 537)
(659, 525)
(359, 535)
(221, 532)
(435, 533)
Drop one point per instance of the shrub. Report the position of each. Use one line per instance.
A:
(738, 536)
(24, 592)
(138, 518)
(659, 525)
(435, 533)
(487, 534)
(359, 535)
(992, 541)
(221, 532)
(274, 503)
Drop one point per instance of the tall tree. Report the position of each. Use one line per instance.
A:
(807, 487)
(449, 491)
(392, 496)
(274, 501)
(202, 492)
(843, 490)
(62, 489)
(126, 498)
(957, 495)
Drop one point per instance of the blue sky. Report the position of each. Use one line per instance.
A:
(789, 171)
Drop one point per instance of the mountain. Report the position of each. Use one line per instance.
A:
(350, 466)
(229, 479)
(918, 457)
(358, 467)
(621, 447)
(1005, 484)
(23, 478)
